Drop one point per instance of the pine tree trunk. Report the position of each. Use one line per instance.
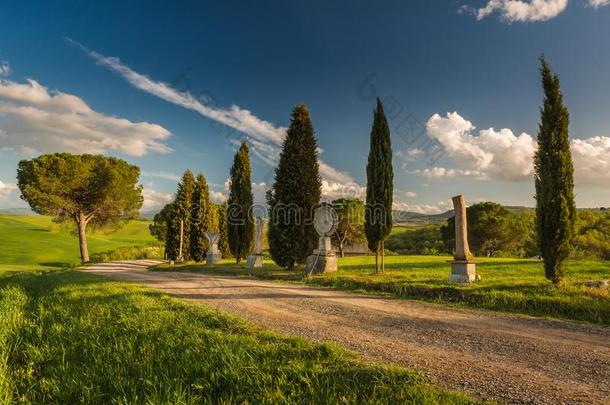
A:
(82, 238)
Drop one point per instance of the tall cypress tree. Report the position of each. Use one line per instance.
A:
(222, 228)
(181, 212)
(240, 224)
(379, 186)
(555, 207)
(295, 193)
(201, 218)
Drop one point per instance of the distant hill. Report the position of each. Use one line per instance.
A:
(16, 211)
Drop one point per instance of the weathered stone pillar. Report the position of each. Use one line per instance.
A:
(463, 269)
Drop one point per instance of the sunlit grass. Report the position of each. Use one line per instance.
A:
(68, 337)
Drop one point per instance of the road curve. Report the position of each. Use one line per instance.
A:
(508, 358)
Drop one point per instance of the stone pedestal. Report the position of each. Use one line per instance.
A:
(323, 260)
(254, 261)
(463, 272)
(212, 258)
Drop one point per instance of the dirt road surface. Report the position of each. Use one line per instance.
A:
(508, 358)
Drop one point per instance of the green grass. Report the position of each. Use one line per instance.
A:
(28, 242)
(68, 337)
(511, 285)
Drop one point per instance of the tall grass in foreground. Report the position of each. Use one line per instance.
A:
(69, 337)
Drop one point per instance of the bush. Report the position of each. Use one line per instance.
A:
(129, 253)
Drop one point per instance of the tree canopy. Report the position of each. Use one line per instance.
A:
(295, 193)
(240, 225)
(379, 185)
(554, 179)
(350, 228)
(90, 190)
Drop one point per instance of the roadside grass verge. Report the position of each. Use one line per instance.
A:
(510, 285)
(66, 337)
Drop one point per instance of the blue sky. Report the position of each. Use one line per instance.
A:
(175, 86)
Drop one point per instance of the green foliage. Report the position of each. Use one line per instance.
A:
(554, 180)
(201, 220)
(379, 183)
(350, 229)
(295, 193)
(93, 190)
(158, 227)
(222, 227)
(593, 236)
(129, 253)
(240, 223)
(492, 230)
(425, 240)
(181, 212)
(68, 337)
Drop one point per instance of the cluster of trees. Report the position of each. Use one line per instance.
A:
(494, 231)
(296, 192)
(182, 224)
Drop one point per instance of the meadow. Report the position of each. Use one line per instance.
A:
(511, 285)
(67, 336)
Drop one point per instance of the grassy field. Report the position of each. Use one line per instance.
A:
(68, 337)
(28, 242)
(512, 285)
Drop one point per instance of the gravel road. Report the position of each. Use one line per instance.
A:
(508, 358)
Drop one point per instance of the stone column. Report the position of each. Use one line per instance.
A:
(463, 269)
(462, 251)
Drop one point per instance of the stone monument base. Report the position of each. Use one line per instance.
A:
(321, 262)
(463, 272)
(254, 261)
(213, 258)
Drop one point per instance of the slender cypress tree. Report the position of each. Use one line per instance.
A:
(295, 193)
(240, 224)
(201, 218)
(555, 207)
(379, 186)
(222, 228)
(181, 214)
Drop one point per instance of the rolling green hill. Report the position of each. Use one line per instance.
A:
(36, 240)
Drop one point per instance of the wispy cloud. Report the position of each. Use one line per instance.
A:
(264, 137)
(5, 68)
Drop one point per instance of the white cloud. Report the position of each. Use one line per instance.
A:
(35, 120)
(410, 194)
(598, 3)
(492, 154)
(334, 190)
(500, 155)
(6, 190)
(430, 209)
(162, 175)
(217, 196)
(155, 200)
(522, 10)
(5, 68)
(591, 161)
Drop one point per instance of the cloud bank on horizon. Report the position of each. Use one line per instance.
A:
(502, 155)
(510, 11)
